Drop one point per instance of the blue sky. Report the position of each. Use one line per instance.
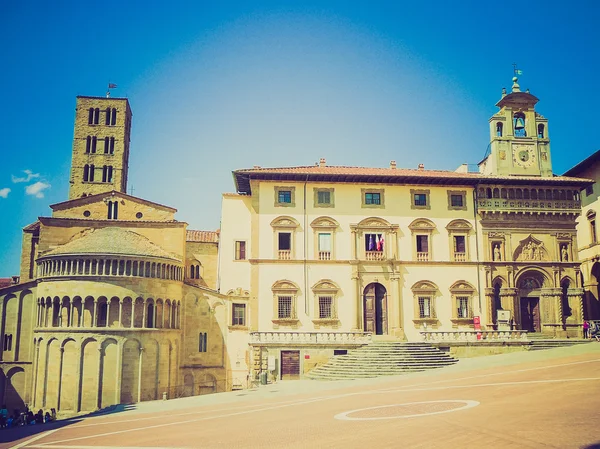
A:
(216, 86)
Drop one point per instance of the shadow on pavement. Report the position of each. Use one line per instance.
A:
(11, 434)
(592, 446)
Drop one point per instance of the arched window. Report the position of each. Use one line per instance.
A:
(106, 145)
(197, 271)
(519, 125)
(496, 193)
(499, 129)
(541, 129)
(107, 121)
(104, 173)
(112, 146)
(114, 117)
(192, 272)
(86, 173)
(488, 192)
(526, 194)
(94, 141)
(96, 116)
(91, 116)
(88, 144)
(113, 210)
(92, 170)
(109, 177)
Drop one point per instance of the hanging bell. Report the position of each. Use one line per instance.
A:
(519, 123)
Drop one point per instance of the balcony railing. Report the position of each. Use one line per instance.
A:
(472, 335)
(374, 255)
(460, 257)
(422, 256)
(324, 255)
(284, 254)
(349, 338)
(528, 204)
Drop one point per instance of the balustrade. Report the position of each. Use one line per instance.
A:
(460, 257)
(284, 254)
(350, 338)
(472, 336)
(422, 256)
(324, 255)
(374, 255)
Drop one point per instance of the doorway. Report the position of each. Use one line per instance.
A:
(290, 365)
(530, 314)
(375, 309)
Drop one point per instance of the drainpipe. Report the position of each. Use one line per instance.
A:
(477, 247)
(306, 301)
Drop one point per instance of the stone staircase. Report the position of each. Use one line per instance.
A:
(382, 358)
(537, 343)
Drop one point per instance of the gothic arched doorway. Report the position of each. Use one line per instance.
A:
(375, 309)
(529, 286)
(592, 303)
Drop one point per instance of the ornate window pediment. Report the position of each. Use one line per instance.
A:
(531, 249)
(462, 287)
(285, 285)
(424, 287)
(422, 224)
(285, 222)
(374, 222)
(324, 222)
(325, 285)
(459, 226)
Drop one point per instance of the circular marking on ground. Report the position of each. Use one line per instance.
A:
(406, 410)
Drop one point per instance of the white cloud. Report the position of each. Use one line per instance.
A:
(4, 192)
(37, 189)
(29, 177)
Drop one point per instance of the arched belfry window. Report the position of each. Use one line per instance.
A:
(519, 125)
(541, 131)
(113, 120)
(499, 129)
(107, 121)
(86, 172)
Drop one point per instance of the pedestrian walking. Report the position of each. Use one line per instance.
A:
(586, 328)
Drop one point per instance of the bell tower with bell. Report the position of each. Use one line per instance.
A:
(519, 143)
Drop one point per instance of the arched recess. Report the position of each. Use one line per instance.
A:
(109, 368)
(530, 283)
(23, 350)
(88, 394)
(52, 374)
(207, 383)
(130, 370)
(150, 371)
(11, 319)
(68, 378)
(188, 385)
(14, 389)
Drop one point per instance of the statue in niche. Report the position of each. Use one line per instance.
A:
(497, 254)
(564, 253)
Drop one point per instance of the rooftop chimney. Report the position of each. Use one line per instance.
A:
(393, 165)
(322, 162)
(16, 279)
(421, 167)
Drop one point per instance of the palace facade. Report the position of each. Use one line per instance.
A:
(119, 302)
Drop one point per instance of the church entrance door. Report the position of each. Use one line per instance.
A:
(530, 314)
(375, 309)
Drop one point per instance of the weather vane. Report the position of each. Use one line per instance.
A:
(516, 71)
(110, 86)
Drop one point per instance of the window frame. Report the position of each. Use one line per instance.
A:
(236, 306)
(459, 228)
(426, 192)
(291, 189)
(462, 289)
(318, 190)
(365, 205)
(463, 194)
(325, 288)
(425, 289)
(284, 224)
(203, 342)
(285, 288)
(237, 251)
(324, 225)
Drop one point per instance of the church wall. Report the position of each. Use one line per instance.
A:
(128, 210)
(29, 248)
(207, 255)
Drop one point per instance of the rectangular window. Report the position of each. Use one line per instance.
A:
(462, 307)
(425, 307)
(324, 197)
(456, 200)
(285, 241)
(202, 342)
(325, 307)
(8, 342)
(372, 198)
(422, 244)
(374, 242)
(240, 250)
(284, 307)
(324, 246)
(284, 196)
(420, 199)
(589, 190)
(238, 315)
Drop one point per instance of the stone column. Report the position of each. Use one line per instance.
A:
(155, 315)
(145, 308)
(489, 307)
(72, 304)
(99, 375)
(53, 312)
(120, 312)
(94, 320)
(108, 301)
(353, 243)
(140, 375)
(132, 324)
(60, 370)
(119, 372)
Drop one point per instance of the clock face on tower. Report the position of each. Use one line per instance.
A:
(523, 155)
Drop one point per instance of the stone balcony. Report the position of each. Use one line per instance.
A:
(275, 338)
(534, 206)
(472, 336)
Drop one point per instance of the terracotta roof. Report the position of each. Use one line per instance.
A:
(113, 241)
(316, 173)
(5, 282)
(202, 236)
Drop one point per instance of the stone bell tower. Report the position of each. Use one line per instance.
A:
(519, 143)
(100, 146)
